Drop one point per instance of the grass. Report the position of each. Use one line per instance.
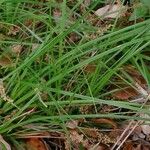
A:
(56, 63)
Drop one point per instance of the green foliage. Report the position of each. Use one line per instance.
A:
(61, 74)
(146, 2)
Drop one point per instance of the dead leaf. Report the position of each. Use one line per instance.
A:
(72, 124)
(7, 146)
(73, 37)
(99, 146)
(35, 144)
(125, 94)
(76, 137)
(145, 127)
(135, 74)
(17, 48)
(87, 3)
(128, 146)
(28, 22)
(76, 140)
(111, 11)
(86, 144)
(91, 132)
(90, 68)
(13, 30)
(5, 62)
(105, 121)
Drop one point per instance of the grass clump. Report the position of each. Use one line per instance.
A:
(55, 59)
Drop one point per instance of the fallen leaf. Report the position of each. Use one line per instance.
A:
(128, 146)
(91, 132)
(5, 62)
(72, 124)
(35, 144)
(90, 68)
(73, 37)
(87, 3)
(105, 121)
(125, 94)
(99, 147)
(111, 11)
(75, 138)
(13, 30)
(135, 74)
(145, 127)
(17, 48)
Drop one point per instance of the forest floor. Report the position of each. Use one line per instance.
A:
(75, 74)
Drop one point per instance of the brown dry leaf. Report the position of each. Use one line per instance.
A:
(13, 30)
(16, 48)
(76, 140)
(86, 144)
(73, 37)
(76, 137)
(132, 146)
(111, 11)
(129, 92)
(125, 94)
(28, 22)
(91, 132)
(87, 3)
(145, 127)
(98, 146)
(72, 124)
(35, 144)
(105, 121)
(7, 146)
(6, 62)
(94, 134)
(128, 146)
(135, 74)
(90, 68)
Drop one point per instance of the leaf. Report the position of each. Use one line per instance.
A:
(17, 48)
(111, 11)
(35, 144)
(6, 61)
(72, 124)
(146, 127)
(91, 132)
(125, 94)
(75, 138)
(105, 121)
(139, 12)
(73, 37)
(128, 146)
(13, 30)
(90, 68)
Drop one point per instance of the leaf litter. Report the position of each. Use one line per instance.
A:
(81, 134)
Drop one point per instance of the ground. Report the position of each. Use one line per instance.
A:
(74, 74)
